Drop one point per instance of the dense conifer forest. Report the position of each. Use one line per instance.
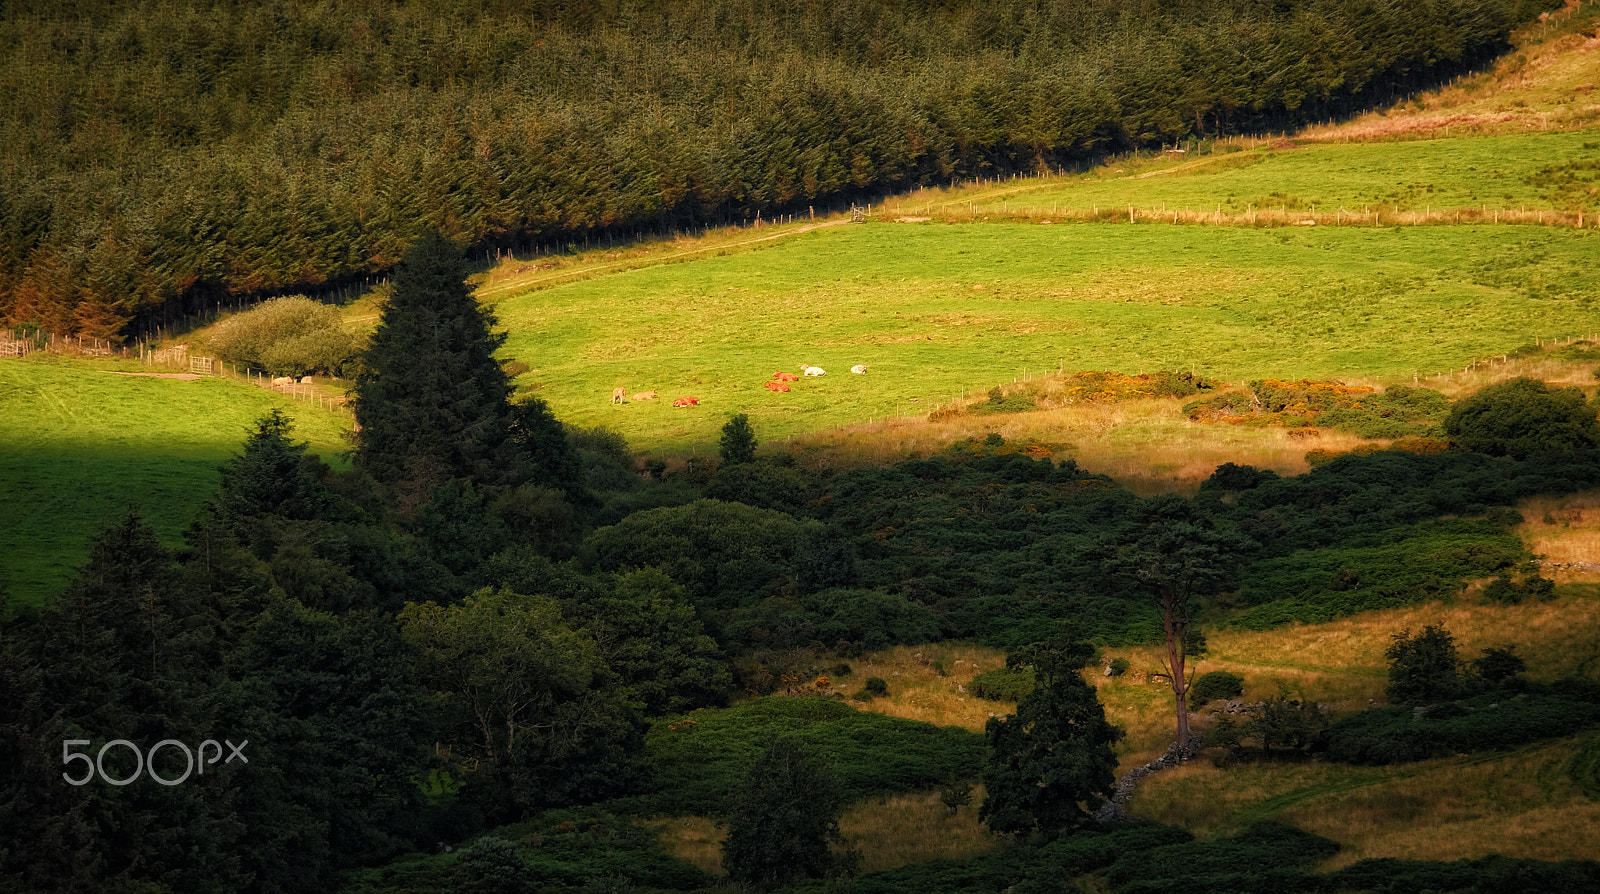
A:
(158, 156)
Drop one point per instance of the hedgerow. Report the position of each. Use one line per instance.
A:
(1495, 720)
(699, 758)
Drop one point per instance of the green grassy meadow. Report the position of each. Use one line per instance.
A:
(80, 443)
(1485, 173)
(936, 310)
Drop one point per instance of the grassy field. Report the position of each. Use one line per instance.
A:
(81, 441)
(937, 311)
(1339, 181)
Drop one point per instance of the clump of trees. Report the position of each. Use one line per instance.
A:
(785, 819)
(289, 336)
(1521, 417)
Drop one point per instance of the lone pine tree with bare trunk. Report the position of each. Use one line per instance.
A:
(1176, 553)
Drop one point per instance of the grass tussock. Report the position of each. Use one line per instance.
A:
(928, 683)
(916, 828)
(1146, 445)
(890, 832)
(693, 839)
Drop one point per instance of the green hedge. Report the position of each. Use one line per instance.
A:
(1489, 721)
(700, 758)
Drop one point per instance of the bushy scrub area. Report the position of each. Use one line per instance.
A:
(291, 336)
(558, 850)
(698, 759)
(1498, 719)
(502, 618)
(1399, 411)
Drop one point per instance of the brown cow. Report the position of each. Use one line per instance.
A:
(645, 395)
(776, 386)
(686, 402)
(786, 377)
(617, 394)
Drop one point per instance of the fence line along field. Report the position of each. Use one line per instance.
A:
(937, 311)
(82, 442)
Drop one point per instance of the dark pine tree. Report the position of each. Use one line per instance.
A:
(431, 401)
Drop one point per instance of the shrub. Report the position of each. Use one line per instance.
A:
(877, 686)
(1000, 402)
(1213, 686)
(290, 336)
(1499, 665)
(1493, 720)
(1117, 667)
(784, 818)
(1520, 417)
(1422, 668)
(1008, 684)
(699, 758)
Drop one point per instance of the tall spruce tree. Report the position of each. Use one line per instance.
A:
(431, 401)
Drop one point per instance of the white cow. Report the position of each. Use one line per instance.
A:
(812, 370)
(859, 368)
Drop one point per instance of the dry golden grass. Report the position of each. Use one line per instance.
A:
(1146, 445)
(1564, 530)
(916, 828)
(693, 839)
(890, 832)
(1519, 804)
(919, 691)
(1342, 662)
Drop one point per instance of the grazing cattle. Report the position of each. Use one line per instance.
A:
(617, 394)
(786, 377)
(859, 368)
(813, 370)
(645, 395)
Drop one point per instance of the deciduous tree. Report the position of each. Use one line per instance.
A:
(784, 818)
(1050, 763)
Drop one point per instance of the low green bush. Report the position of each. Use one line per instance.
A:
(700, 758)
(1490, 875)
(561, 849)
(1213, 686)
(1400, 566)
(1006, 684)
(1488, 721)
(1266, 858)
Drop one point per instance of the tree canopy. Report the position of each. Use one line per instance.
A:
(1051, 763)
(1522, 416)
(431, 401)
(162, 155)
